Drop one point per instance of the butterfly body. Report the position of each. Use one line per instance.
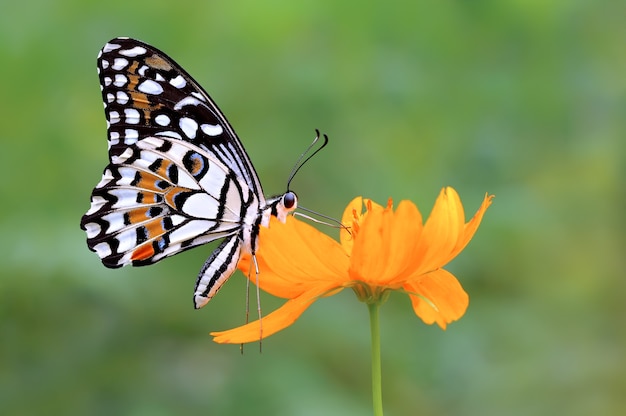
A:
(178, 175)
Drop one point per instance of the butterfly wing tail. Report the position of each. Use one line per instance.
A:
(216, 271)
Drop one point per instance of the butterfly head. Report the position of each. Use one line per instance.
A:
(283, 205)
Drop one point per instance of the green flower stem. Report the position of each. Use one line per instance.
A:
(377, 394)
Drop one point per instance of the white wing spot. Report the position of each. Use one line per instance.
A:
(110, 97)
(96, 203)
(198, 95)
(150, 87)
(186, 101)
(196, 227)
(122, 97)
(114, 117)
(120, 80)
(178, 82)
(136, 51)
(118, 160)
(107, 81)
(110, 47)
(119, 64)
(103, 250)
(189, 127)
(162, 120)
(107, 177)
(105, 64)
(212, 130)
(201, 205)
(92, 229)
(159, 77)
(132, 116)
(130, 136)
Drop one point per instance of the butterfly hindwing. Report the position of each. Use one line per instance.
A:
(161, 196)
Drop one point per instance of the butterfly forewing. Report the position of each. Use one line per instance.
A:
(146, 93)
(178, 175)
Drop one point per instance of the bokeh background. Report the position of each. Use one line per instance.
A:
(522, 99)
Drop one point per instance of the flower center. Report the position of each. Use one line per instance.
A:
(368, 293)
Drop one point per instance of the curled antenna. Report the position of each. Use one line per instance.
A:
(300, 162)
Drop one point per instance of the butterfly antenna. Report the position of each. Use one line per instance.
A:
(301, 162)
(332, 222)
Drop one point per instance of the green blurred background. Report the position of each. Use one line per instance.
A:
(522, 99)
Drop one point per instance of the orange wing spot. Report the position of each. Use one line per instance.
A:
(133, 68)
(137, 215)
(143, 252)
(172, 193)
(155, 228)
(133, 80)
(196, 165)
(140, 100)
(157, 62)
(150, 198)
(162, 171)
(149, 182)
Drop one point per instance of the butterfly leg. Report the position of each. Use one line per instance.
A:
(258, 301)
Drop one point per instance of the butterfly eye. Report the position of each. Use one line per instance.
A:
(290, 200)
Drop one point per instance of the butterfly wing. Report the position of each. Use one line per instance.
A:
(146, 93)
(178, 175)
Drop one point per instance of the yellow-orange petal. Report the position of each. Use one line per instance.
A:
(442, 231)
(385, 246)
(294, 257)
(470, 228)
(437, 297)
(401, 234)
(275, 321)
(366, 261)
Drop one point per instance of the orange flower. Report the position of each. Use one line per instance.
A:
(383, 251)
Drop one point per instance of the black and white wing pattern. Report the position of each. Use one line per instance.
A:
(178, 175)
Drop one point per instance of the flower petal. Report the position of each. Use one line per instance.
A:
(470, 228)
(445, 232)
(442, 231)
(438, 297)
(401, 234)
(367, 261)
(295, 257)
(275, 321)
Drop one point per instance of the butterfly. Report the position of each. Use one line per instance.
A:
(178, 176)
